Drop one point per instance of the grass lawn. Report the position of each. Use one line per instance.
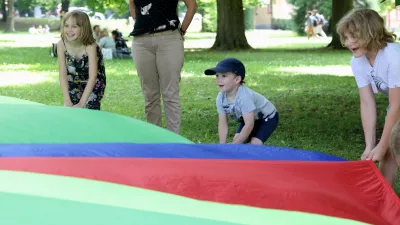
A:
(312, 88)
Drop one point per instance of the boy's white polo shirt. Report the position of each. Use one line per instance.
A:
(384, 74)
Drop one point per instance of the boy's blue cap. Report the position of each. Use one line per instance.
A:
(228, 65)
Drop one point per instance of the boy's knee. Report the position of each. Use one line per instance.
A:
(256, 141)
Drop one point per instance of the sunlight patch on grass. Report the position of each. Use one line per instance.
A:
(7, 67)
(187, 75)
(18, 40)
(318, 70)
(23, 78)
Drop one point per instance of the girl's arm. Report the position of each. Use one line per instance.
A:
(191, 6)
(368, 118)
(92, 54)
(222, 128)
(247, 128)
(63, 73)
(132, 9)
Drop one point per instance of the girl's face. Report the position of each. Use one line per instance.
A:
(71, 29)
(227, 81)
(354, 45)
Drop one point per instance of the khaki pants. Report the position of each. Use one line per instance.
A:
(159, 60)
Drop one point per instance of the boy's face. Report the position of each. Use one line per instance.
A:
(353, 45)
(227, 81)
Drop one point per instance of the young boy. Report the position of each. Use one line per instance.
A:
(257, 116)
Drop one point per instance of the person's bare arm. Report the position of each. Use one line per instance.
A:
(368, 118)
(62, 70)
(191, 6)
(92, 54)
(247, 128)
(132, 9)
(222, 128)
(392, 117)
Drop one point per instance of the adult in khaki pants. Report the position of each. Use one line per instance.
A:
(158, 53)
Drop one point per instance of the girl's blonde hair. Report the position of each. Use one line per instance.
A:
(395, 139)
(82, 21)
(367, 27)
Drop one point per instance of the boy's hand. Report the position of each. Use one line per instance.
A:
(235, 137)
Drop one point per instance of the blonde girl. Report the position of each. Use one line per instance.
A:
(80, 61)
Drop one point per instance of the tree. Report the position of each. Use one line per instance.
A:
(3, 10)
(230, 26)
(339, 9)
(10, 16)
(390, 4)
(119, 6)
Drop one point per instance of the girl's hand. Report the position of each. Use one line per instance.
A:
(79, 105)
(366, 153)
(68, 103)
(376, 154)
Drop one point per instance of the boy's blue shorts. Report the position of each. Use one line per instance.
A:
(263, 128)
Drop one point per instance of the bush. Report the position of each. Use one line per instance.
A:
(23, 23)
(209, 13)
(282, 24)
(249, 14)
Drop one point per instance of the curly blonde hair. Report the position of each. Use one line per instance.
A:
(367, 27)
(83, 21)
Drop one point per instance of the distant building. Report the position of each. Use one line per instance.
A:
(393, 19)
(272, 9)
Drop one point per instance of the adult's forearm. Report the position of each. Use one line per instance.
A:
(132, 9)
(191, 10)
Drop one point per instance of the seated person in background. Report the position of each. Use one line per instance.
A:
(107, 42)
(32, 29)
(122, 50)
(96, 33)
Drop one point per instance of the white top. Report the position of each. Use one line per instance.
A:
(384, 74)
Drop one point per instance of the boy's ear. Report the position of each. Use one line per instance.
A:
(238, 79)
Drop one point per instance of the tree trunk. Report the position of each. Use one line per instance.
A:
(3, 10)
(65, 5)
(230, 26)
(64, 9)
(339, 9)
(10, 15)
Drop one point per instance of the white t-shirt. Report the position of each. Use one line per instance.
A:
(384, 74)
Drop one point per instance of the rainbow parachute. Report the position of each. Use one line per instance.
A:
(68, 166)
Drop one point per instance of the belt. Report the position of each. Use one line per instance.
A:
(157, 33)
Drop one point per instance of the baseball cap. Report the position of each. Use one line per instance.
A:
(228, 65)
